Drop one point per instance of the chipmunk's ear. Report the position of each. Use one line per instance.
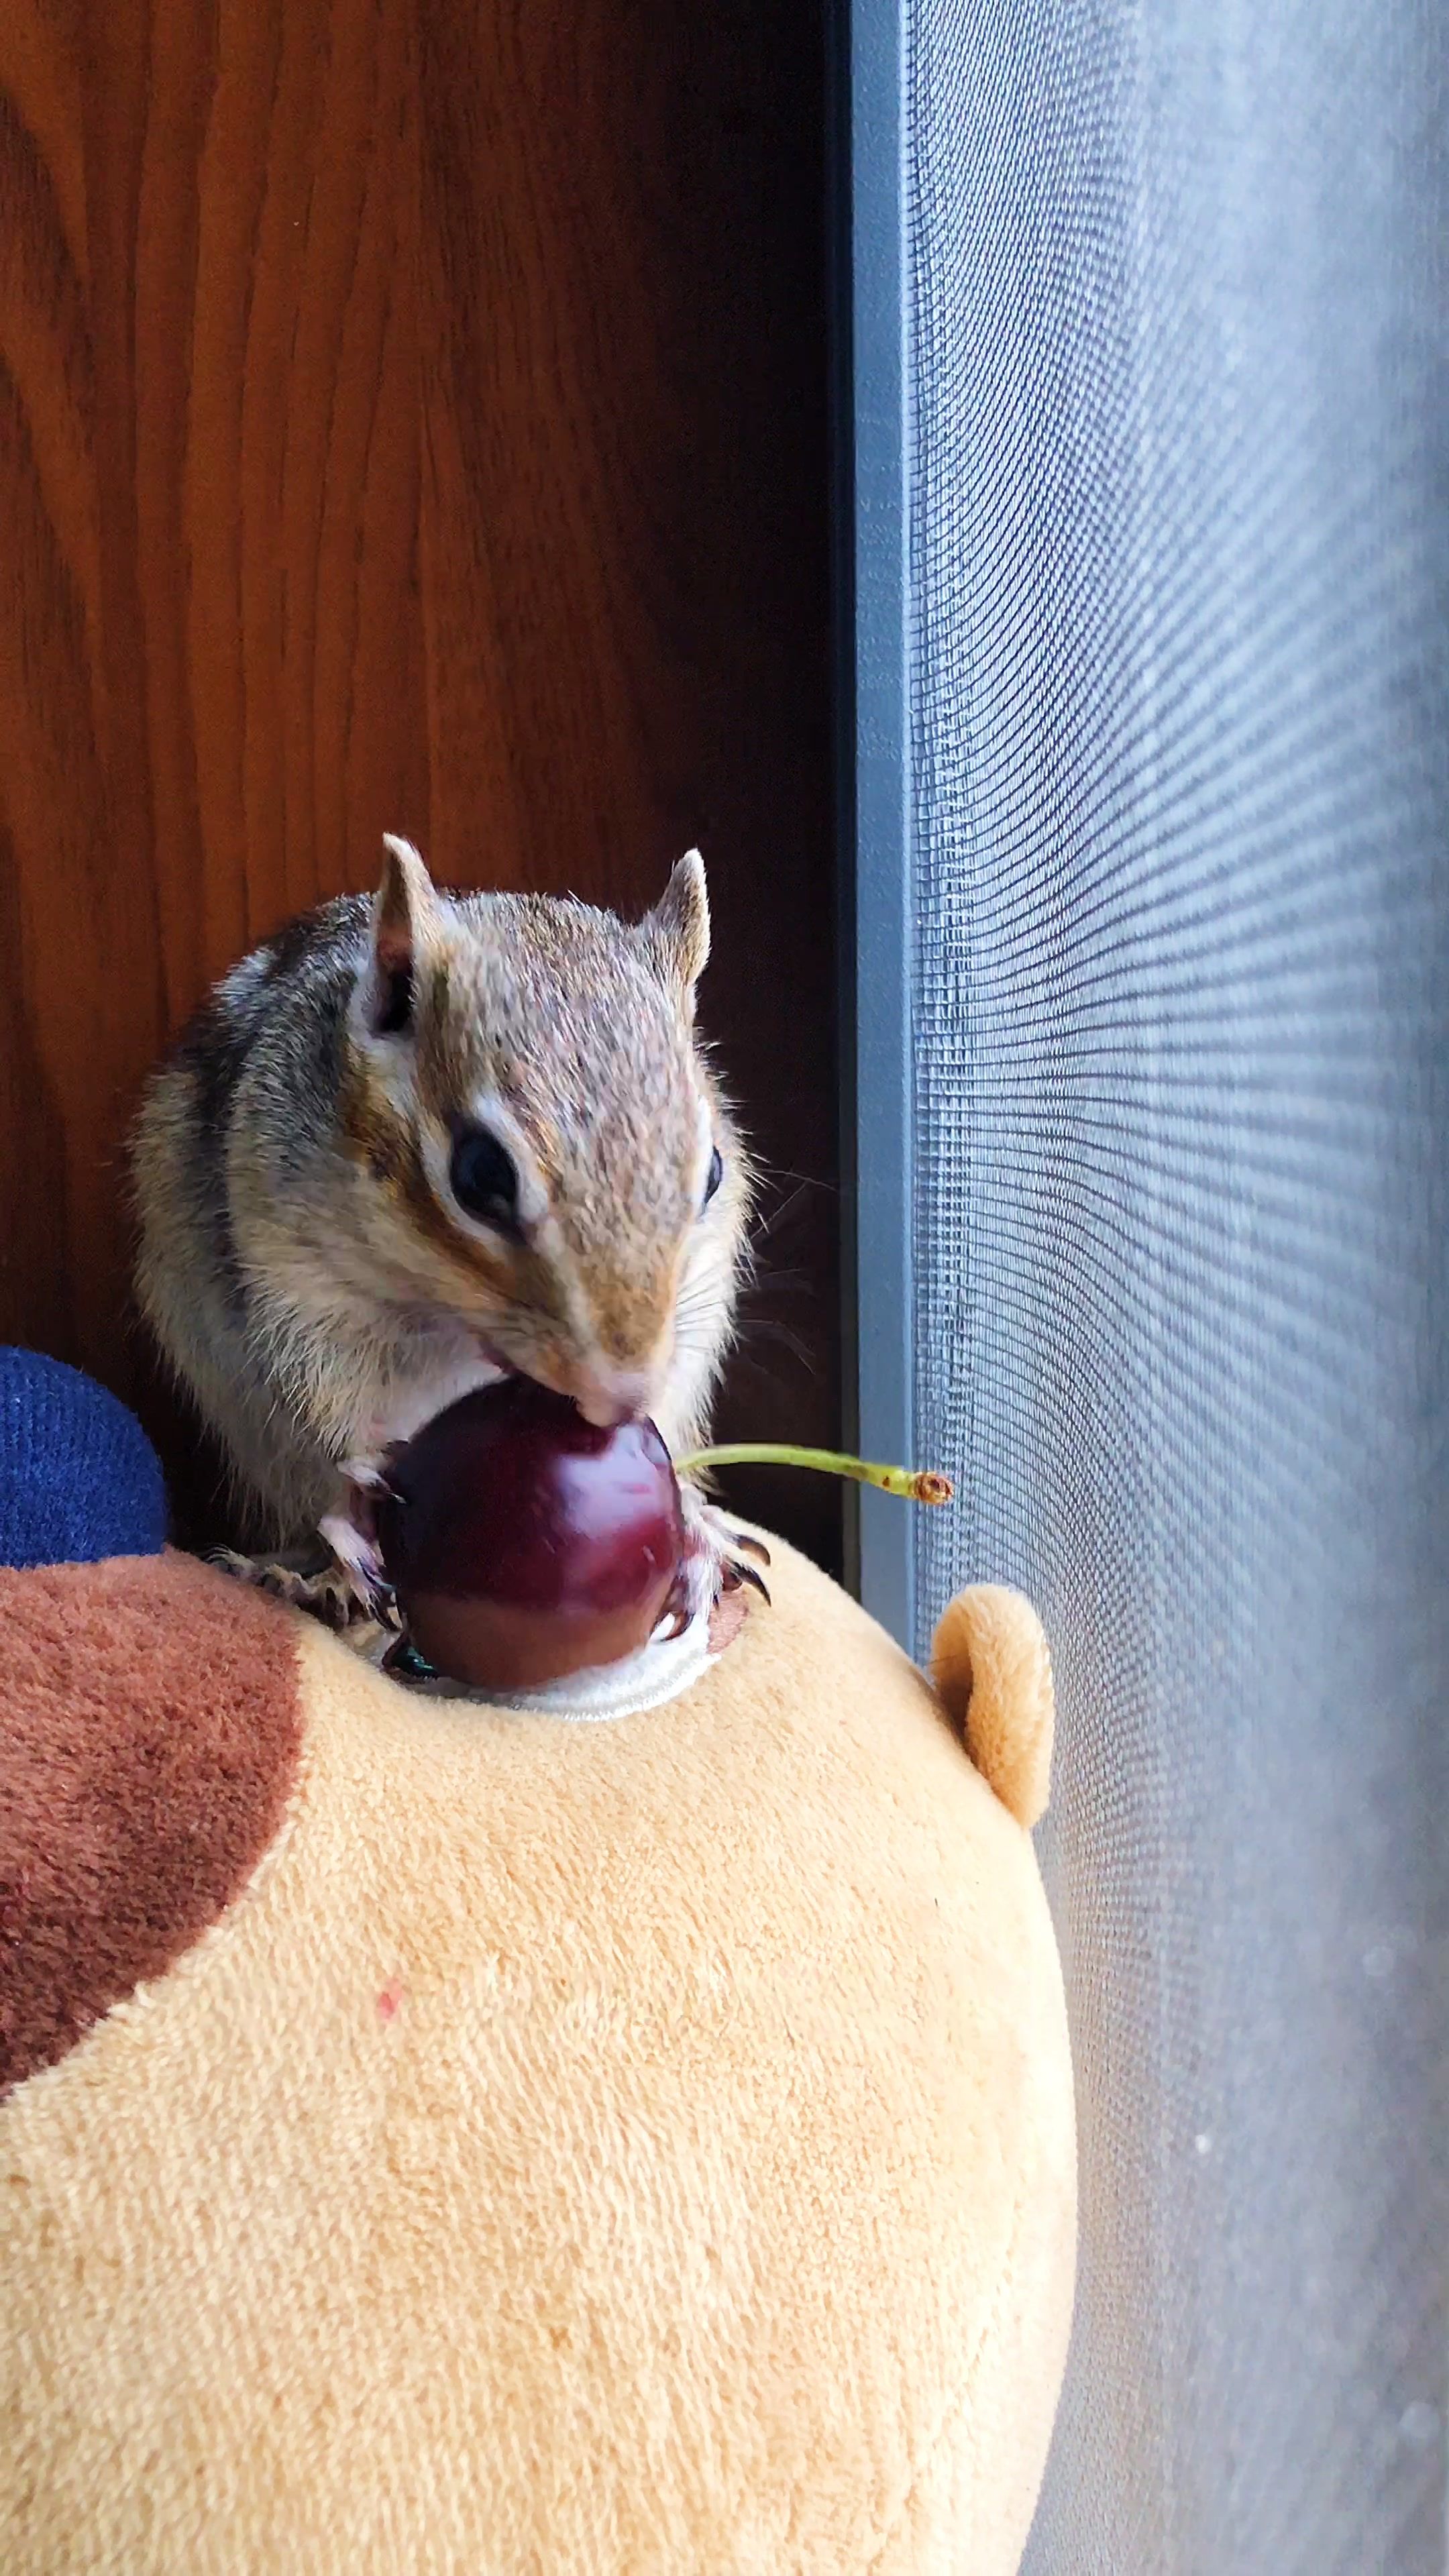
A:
(678, 927)
(404, 913)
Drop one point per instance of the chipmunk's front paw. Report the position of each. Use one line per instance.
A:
(721, 1557)
(324, 1588)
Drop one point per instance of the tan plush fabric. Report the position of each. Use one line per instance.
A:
(644, 2146)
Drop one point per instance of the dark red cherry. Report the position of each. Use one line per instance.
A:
(525, 1543)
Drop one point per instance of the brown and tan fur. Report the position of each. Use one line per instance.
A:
(310, 1277)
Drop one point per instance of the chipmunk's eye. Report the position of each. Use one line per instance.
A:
(716, 1175)
(483, 1179)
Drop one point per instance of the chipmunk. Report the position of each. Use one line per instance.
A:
(412, 1144)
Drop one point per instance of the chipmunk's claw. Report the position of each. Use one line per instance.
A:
(754, 1546)
(326, 1592)
(721, 1553)
(734, 1571)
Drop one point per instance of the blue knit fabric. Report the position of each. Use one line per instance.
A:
(79, 1480)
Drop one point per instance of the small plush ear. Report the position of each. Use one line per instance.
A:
(991, 1667)
(678, 926)
(404, 912)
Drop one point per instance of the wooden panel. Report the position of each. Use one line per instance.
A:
(410, 417)
(211, 696)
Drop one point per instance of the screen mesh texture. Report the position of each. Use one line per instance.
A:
(1179, 546)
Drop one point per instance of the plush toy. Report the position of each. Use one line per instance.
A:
(448, 2138)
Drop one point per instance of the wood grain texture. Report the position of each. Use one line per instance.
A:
(410, 418)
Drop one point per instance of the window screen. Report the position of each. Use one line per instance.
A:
(1152, 559)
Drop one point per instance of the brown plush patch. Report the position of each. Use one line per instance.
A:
(149, 1734)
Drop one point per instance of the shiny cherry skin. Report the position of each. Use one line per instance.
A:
(524, 1543)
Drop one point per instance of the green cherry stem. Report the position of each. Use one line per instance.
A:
(918, 1484)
